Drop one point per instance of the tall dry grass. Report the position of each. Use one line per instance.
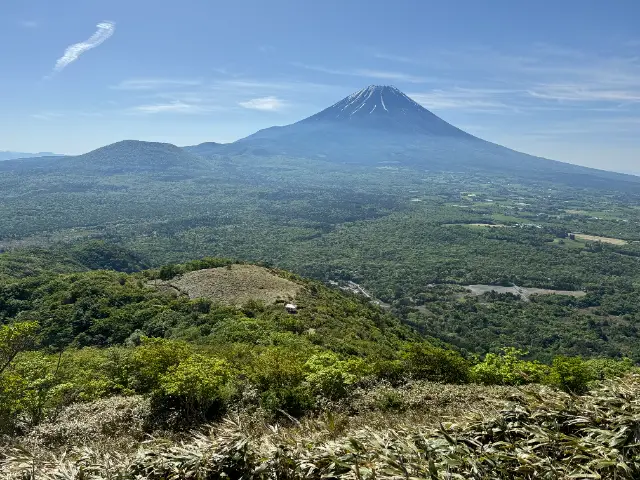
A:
(537, 433)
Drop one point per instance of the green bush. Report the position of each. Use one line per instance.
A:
(426, 362)
(294, 400)
(152, 359)
(330, 377)
(279, 373)
(571, 374)
(97, 373)
(392, 371)
(507, 368)
(198, 384)
(31, 391)
(606, 368)
(14, 339)
(167, 272)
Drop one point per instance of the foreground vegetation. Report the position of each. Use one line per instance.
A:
(94, 363)
(536, 433)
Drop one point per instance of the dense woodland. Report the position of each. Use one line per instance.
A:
(396, 231)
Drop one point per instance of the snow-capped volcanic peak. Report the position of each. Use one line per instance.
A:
(375, 99)
(384, 108)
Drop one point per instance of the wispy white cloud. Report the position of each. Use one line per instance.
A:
(73, 52)
(585, 93)
(228, 92)
(171, 107)
(465, 98)
(396, 58)
(47, 115)
(30, 23)
(265, 103)
(544, 77)
(155, 83)
(366, 73)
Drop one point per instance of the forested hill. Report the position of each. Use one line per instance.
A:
(64, 258)
(76, 304)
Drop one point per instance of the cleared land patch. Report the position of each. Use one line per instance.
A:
(472, 225)
(491, 225)
(235, 285)
(522, 292)
(595, 238)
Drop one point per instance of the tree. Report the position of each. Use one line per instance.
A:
(424, 361)
(572, 374)
(197, 383)
(507, 368)
(153, 358)
(331, 377)
(14, 339)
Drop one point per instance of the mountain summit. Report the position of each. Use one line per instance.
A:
(379, 125)
(385, 107)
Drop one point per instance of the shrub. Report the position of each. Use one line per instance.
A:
(278, 374)
(393, 371)
(14, 339)
(331, 377)
(96, 373)
(507, 368)
(152, 359)
(607, 368)
(571, 374)
(102, 422)
(30, 391)
(426, 362)
(12, 387)
(167, 272)
(389, 399)
(197, 384)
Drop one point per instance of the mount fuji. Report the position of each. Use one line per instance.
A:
(375, 126)
(380, 124)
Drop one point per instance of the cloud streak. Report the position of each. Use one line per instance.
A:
(264, 103)
(366, 73)
(155, 83)
(73, 52)
(177, 106)
(476, 99)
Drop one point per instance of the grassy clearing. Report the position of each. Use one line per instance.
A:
(499, 217)
(568, 243)
(476, 226)
(523, 292)
(490, 225)
(235, 285)
(595, 238)
(595, 214)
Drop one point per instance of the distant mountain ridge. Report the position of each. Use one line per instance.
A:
(376, 125)
(6, 155)
(380, 124)
(127, 156)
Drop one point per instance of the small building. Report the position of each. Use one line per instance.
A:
(291, 308)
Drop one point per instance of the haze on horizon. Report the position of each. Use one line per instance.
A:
(558, 81)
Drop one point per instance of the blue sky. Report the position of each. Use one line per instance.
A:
(559, 79)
